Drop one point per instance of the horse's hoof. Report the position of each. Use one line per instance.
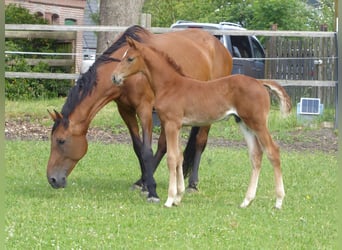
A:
(191, 190)
(136, 187)
(153, 200)
(144, 193)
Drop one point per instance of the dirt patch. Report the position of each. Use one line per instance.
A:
(320, 139)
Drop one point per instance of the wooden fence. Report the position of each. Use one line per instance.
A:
(303, 62)
(311, 59)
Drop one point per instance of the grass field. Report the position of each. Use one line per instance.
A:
(98, 210)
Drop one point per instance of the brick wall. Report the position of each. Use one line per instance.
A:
(56, 12)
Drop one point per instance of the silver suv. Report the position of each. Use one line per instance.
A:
(248, 54)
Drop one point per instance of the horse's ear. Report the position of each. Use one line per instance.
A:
(130, 42)
(55, 115)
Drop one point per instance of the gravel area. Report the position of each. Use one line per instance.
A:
(319, 139)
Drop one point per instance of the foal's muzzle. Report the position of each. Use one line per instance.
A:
(117, 79)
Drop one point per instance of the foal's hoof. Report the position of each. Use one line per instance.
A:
(153, 200)
(279, 203)
(246, 202)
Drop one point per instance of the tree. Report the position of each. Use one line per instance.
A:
(116, 13)
(289, 15)
(251, 14)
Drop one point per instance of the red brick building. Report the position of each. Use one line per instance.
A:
(63, 12)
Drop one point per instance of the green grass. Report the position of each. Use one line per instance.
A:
(36, 111)
(98, 210)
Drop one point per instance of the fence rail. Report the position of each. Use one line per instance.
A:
(303, 59)
(164, 30)
(33, 75)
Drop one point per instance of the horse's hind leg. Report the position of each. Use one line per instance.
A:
(255, 155)
(192, 154)
(272, 152)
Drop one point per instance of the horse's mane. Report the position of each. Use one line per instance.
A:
(87, 81)
(169, 60)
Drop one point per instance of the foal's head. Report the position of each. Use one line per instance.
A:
(131, 63)
(134, 61)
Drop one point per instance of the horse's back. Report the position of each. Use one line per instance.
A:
(200, 54)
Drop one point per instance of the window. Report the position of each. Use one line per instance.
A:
(257, 49)
(55, 19)
(70, 21)
(241, 44)
(39, 14)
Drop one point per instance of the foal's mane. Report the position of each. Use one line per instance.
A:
(87, 81)
(168, 59)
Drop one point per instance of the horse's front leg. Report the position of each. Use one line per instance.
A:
(174, 162)
(145, 116)
(142, 152)
(129, 117)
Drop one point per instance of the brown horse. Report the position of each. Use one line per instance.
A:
(201, 55)
(181, 100)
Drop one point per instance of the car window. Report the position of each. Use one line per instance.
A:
(241, 46)
(257, 49)
(220, 38)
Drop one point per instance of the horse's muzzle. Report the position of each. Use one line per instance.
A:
(57, 181)
(117, 79)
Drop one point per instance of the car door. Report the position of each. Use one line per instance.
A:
(248, 56)
(259, 58)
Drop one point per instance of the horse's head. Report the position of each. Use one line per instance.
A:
(131, 63)
(68, 146)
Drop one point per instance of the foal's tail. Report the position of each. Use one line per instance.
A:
(285, 100)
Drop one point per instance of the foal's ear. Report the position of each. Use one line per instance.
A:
(55, 116)
(131, 42)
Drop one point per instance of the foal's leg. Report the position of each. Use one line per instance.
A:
(272, 152)
(180, 177)
(161, 149)
(173, 154)
(255, 155)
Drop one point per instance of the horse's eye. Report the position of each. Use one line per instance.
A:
(130, 59)
(60, 141)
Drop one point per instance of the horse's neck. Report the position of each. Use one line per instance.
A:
(85, 112)
(161, 74)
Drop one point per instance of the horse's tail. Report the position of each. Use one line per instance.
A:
(285, 100)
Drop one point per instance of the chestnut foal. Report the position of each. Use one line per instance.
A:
(180, 100)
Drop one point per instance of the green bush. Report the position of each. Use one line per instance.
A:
(23, 89)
